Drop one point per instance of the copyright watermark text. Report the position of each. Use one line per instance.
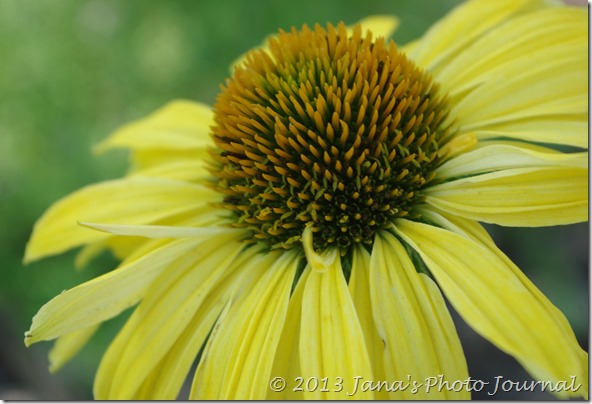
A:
(429, 384)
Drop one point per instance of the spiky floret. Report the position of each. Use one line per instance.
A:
(334, 131)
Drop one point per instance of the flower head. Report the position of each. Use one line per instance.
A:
(335, 131)
(311, 223)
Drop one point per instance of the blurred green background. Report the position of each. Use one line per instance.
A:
(74, 70)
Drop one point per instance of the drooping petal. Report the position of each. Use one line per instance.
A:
(165, 380)
(68, 345)
(287, 360)
(419, 337)
(545, 196)
(168, 307)
(179, 125)
(126, 201)
(106, 296)
(238, 359)
(332, 343)
(501, 156)
(359, 288)
(474, 230)
(501, 305)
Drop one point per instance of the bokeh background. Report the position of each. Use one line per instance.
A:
(72, 71)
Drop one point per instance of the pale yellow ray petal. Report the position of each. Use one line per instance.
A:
(287, 360)
(217, 352)
(193, 170)
(380, 25)
(146, 390)
(68, 345)
(446, 342)
(517, 42)
(531, 88)
(129, 201)
(129, 247)
(164, 381)
(104, 297)
(238, 360)
(168, 307)
(125, 246)
(530, 197)
(455, 32)
(509, 83)
(565, 129)
(495, 157)
(359, 288)
(499, 304)
(181, 124)
(162, 231)
(520, 102)
(475, 231)
(159, 162)
(332, 343)
(402, 299)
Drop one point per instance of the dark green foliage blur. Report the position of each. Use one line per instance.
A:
(72, 71)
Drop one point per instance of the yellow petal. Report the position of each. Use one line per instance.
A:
(359, 288)
(165, 380)
(180, 124)
(499, 304)
(238, 359)
(129, 201)
(517, 42)
(380, 25)
(475, 231)
(162, 231)
(566, 129)
(168, 163)
(539, 101)
(167, 377)
(495, 157)
(104, 297)
(502, 80)
(163, 315)
(287, 361)
(332, 345)
(451, 35)
(419, 337)
(68, 345)
(517, 197)
(507, 83)
(193, 170)
(124, 246)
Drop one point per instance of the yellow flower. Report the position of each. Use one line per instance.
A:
(306, 227)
